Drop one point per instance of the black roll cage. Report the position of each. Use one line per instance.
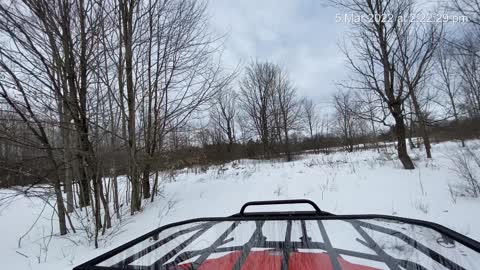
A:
(289, 216)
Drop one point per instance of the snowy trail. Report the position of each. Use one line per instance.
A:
(364, 182)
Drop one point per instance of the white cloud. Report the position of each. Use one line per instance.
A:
(300, 35)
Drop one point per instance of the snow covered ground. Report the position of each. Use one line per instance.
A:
(364, 182)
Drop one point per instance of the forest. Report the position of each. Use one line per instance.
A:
(91, 91)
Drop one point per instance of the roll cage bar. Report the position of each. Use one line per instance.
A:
(258, 240)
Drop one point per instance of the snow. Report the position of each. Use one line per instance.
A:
(362, 182)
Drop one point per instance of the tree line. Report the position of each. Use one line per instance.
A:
(82, 81)
(407, 75)
(93, 90)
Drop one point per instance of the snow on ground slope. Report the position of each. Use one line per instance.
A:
(364, 182)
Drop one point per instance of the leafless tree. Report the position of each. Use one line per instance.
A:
(46, 64)
(256, 95)
(371, 109)
(223, 114)
(468, 60)
(466, 164)
(376, 59)
(102, 80)
(20, 101)
(347, 122)
(468, 8)
(269, 102)
(417, 45)
(449, 81)
(288, 109)
(310, 116)
(467, 54)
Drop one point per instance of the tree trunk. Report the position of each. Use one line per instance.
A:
(426, 141)
(422, 123)
(106, 208)
(116, 205)
(136, 199)
(79, 111)
(287, 144)
(87, 158)
(60, 208)
(410, 132)
(66, 131)
(410, 141)
(455, 114)
(155, 184)
(127, 9)
(96, 198)
(146, 182)
(230, 137)
(265, 135)
(84, 189)
(374, 131)
(399, 131)
(68, 187)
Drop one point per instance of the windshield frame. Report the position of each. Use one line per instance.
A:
(280, 216)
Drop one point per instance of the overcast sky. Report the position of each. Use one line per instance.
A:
(300, 35)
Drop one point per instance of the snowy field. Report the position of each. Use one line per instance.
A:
(364, 182)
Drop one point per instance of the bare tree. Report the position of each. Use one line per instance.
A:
(468, 8)
(467, 54)
(449, 81)
(27, 113)
(97, 81)
(126, 10)
(469, 63)
(271, 108)
(376, 46)
(346, 117)
(223, 114)
(310, 115)
(417, 45)
(288, 109)
(50, 65)
(256, 92)
(371, 109)
(466, 164)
